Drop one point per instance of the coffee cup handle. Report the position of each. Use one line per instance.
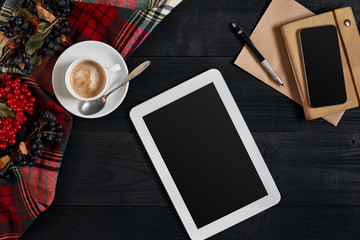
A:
(114, 68)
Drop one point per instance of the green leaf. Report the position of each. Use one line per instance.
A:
(5, 111)
(23, 13)
(34, 43)
(43, 26)
(36, 59)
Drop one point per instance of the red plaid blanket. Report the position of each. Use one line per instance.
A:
(123, 24)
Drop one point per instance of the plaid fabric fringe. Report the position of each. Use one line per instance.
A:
(123, 24)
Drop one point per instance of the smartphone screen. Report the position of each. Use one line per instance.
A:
(323, 66)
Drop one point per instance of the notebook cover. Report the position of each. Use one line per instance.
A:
(290, 33)
(268, 39)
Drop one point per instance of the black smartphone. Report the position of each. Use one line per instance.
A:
(323, 66)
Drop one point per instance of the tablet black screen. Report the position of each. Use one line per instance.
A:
(205, 155)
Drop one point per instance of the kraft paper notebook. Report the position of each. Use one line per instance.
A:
(349, 42)
(268, 39)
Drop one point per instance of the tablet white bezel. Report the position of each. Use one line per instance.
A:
(175, 93)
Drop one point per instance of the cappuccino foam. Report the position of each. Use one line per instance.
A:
(87, 79)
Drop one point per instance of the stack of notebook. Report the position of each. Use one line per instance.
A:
(276, 37)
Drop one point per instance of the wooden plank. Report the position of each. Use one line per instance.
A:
(196, 28)
(263, 108)
(112, 168)
(74, 222)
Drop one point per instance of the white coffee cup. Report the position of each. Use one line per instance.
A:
(107, 71)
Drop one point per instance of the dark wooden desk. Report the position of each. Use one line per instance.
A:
(108, 188)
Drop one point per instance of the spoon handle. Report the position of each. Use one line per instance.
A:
(133, 74)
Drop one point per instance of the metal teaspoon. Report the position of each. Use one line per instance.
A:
(94, 106)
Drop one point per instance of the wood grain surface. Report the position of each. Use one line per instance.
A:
(108, 188)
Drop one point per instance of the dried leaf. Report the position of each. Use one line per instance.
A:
(63, 38)
(36, 59)
(23, 13)
(5, 111)
(21, 66)
(34, 43)
(43, 26)
(12, 45)
(1, 52)
(23, 149)
(34, 21)
(43, 13)
(3, 40)
(4, 160)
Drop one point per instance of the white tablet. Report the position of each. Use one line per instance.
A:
(205, 155)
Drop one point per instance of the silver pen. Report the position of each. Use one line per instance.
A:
(258, 55)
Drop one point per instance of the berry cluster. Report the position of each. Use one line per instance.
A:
(61, 9)
(20, 99)
(47, 132)
(19, 31)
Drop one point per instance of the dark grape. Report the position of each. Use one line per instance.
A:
(18, 158)
(11, 19)
(50, 52)
(23, 163)
(51, 44)
(57, 40)
(65, 24)
(18, 60)
(46, 39)
(17, 29)
(51, 124)
(25, 25)
(59, 134)
(37, 152)
(18, 21)
(27, 61)
(17, 40)
(39, 135)
(56, 32)
(9, 34)
(59, 127)
(30, 164)
(3, 28)
(58, 140)
(30, 67)
(37, 140)
(23, 42)
(33, 146)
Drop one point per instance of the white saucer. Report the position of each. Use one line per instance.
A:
(100, 52)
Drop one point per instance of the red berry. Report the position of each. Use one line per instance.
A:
(32, 99)
(27, 93)
(7, 89)
(9, 83)
(2, 131)
(16, 91)
(7, 77)
(22, 89)
(12, 141)
(3, 145)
